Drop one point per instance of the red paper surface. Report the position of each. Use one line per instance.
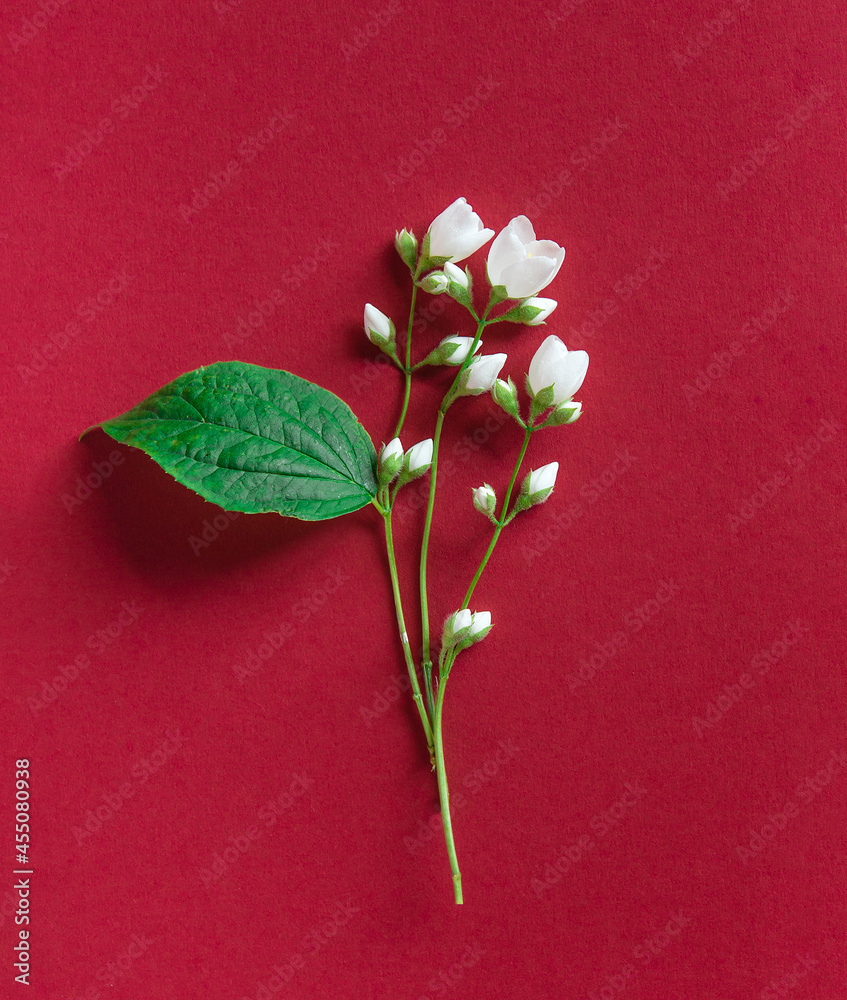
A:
(647, 755)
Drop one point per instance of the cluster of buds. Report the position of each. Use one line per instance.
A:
(394, 463)
(518, 267)
(555, 374)
(464, 628)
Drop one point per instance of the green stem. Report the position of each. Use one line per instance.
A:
(433, 475)
(404, 638)
(408, 368)
(443, 791)
(501, 523)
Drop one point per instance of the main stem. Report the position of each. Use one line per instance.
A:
(404, 638)
(501, 523)
(408, 367)
(433, 475)
(443, 791)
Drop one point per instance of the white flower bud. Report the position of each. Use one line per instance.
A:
(451, 351)
(378, 327)
(480, 626)
(539, 484)
(419, 458)
(390, 461)
(463, 629)
(545, 305)
(456, 274)
(392, 451)
(485, 500)
(554, 365)
(456, 627)
(565, 413)
(435, 283)
(407, 247)
(463, 346)
(481, 374)
(505, 395)
(462, 619)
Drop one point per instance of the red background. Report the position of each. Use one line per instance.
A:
(698, 189)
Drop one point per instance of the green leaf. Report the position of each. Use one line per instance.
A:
(255, 440)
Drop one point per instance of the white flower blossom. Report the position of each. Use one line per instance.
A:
(520, 262)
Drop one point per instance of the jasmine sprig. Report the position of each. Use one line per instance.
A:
(269, 441)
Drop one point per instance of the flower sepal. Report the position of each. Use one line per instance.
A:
(427, 262)
(498, 294)
(505, 395)
(541, 400)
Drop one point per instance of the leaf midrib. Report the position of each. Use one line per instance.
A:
(186, 424)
